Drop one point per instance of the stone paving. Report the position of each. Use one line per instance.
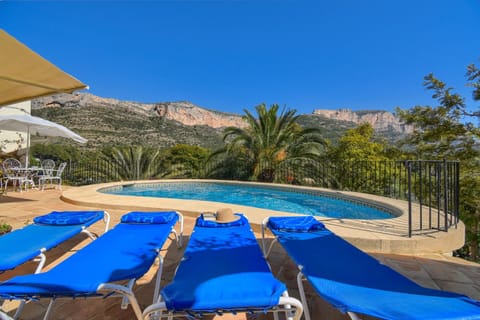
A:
(431, 270)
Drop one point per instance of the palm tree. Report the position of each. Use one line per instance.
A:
(271, 140)
(132, 162)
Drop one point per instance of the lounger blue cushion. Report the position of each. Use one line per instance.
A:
(300, 224)
(125, 252)
(23, 244)
(223, 269)
(149, 217)
(68, 218)
(351, 280)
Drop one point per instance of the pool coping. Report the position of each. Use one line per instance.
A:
(378, 235)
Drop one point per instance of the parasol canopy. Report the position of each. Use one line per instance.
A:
(37, 126)
(25, 75)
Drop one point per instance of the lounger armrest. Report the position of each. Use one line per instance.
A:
(156, 307)
(106, 220)
(124, 291)
(264, 226)
(180, 236)
(266, 251)
(288, 302)
(4, 316)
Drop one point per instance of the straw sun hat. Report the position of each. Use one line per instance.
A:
(225, 215)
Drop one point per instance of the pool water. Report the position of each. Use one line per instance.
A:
(279, 199)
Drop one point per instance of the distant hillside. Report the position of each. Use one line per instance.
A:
(113, 122)
(381, 121)
(331, 129)
(105, 121)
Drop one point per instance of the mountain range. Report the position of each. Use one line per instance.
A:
(106, 121)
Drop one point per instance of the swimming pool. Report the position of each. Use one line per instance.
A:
(290, 200)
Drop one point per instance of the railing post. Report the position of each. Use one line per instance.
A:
(430, 188)
(409, 179)
(457, 193)
(445, 191)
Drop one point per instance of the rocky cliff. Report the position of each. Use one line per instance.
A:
(380, 120)
(190, 115)
(184, 112)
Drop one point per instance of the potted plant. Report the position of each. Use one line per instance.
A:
(5, 228)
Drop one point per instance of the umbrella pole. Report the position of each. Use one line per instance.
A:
(28, 148)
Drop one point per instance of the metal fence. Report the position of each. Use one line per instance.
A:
(433, 186)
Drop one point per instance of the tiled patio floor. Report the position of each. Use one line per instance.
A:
(432, 270)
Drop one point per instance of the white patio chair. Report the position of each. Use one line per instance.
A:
(56, 175)
(12, 172)
(47, 166)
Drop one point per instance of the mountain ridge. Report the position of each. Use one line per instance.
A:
(113, 121)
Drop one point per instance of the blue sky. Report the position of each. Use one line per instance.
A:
(233, 55)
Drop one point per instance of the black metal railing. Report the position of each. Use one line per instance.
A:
(432, 186)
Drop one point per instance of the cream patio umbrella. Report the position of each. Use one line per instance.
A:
(36, 126)
(25, 75)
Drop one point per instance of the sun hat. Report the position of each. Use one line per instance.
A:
(225, 215)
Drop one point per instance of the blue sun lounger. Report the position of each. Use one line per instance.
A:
(223, 270)
(125, 253)
(45, 233)
(354, 282)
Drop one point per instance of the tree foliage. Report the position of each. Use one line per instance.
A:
(446, 131)
(440, 132)
(184, 161)
(357, 152)
(358, 144)
(58, 152)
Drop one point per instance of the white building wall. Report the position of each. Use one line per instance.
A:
(11, 141)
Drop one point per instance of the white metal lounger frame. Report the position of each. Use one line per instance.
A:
(123, 291)
(41, 258)
(300, 275)
(126, 291)
(285, 304)
(156, 310)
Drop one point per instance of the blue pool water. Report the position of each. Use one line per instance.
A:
(279, 199)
